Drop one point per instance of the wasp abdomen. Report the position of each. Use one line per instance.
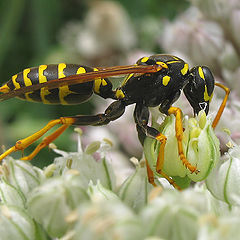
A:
(73, 94)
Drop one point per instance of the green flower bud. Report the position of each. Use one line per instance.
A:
(99, 193)
(50, 203)
(200, 145)
(224, 180)
(21, 176)
(107, 220)
(134, 191)
(16, 224)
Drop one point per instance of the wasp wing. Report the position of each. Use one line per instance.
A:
(82, 78)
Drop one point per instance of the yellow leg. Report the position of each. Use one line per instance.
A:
(150, 174)
(160, 160)
(24, 143)
(221, 108)
(151, 177)
(45, 142)
(170, 180)
(179, 135)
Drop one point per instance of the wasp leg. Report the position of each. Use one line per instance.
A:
(222, 106)
(179, 135)
(46, 141)
(141, 116)
(114, 111)
(24, 143)
(150, 174)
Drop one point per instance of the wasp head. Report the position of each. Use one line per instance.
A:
(199, 89)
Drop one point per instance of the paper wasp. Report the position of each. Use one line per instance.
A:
(153, 81)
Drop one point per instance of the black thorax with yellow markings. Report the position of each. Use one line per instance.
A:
(161, 88)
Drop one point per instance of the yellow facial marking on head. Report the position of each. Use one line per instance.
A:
(176, 58)
(144, 59)
(201, 74)
(206, 96)
(16, 84)
(119, 94)
(162, 64)
(26, 79)
(211, 97)
(184, 70)
(43, 79)
(165, 80)
(63, 90)
(81, 70)
(4, 89)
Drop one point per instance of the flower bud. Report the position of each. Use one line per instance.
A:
(15, 224)
(224, 180)
(107, 220)
(50, 203)
(134, 191)
(11, 195)
(169, 217)
(21, 175)
(214, 9)
(99, 193)
(221, 228)
(89, 169)
(229, 59)
(200, 146)
(188, 38)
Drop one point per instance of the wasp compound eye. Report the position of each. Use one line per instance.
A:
(199, 89)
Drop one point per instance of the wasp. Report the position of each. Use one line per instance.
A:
(153, 81)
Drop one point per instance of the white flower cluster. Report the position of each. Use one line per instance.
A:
(76, 197)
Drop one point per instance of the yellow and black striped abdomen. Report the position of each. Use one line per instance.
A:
(72, 94)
